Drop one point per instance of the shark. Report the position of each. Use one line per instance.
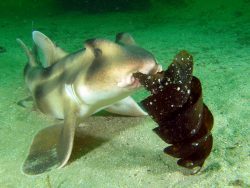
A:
(74, 86)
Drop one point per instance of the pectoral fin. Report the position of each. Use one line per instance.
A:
(51, 147)
(65, 145)
(43, 155)
(127, 107)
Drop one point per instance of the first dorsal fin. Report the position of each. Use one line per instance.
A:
(125, 38)
(49, 50)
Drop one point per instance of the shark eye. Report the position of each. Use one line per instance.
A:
(97, 52)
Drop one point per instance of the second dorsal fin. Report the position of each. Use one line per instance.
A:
(50, 52)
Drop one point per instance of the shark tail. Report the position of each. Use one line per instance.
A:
(28, 52)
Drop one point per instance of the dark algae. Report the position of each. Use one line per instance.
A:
(176, 105)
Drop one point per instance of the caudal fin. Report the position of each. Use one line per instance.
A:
(28, 52)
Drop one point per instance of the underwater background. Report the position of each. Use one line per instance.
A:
(115, 151)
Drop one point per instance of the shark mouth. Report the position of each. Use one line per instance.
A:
(130, 82)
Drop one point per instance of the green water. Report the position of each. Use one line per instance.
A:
(123, 151)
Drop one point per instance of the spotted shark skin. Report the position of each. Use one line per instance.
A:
(73, 86)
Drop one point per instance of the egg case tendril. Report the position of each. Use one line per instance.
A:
(176, 105)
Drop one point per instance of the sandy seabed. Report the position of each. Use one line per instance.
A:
(115, 151)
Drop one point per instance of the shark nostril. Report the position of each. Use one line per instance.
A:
(132, 79)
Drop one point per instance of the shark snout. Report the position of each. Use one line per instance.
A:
(130, 82)
(150, 67)
(157, 68)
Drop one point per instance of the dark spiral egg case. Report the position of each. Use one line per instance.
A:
(176, 105)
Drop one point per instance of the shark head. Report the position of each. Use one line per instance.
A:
(109, 77)
(111, 72)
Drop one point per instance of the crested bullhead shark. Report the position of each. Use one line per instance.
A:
(73, 86)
